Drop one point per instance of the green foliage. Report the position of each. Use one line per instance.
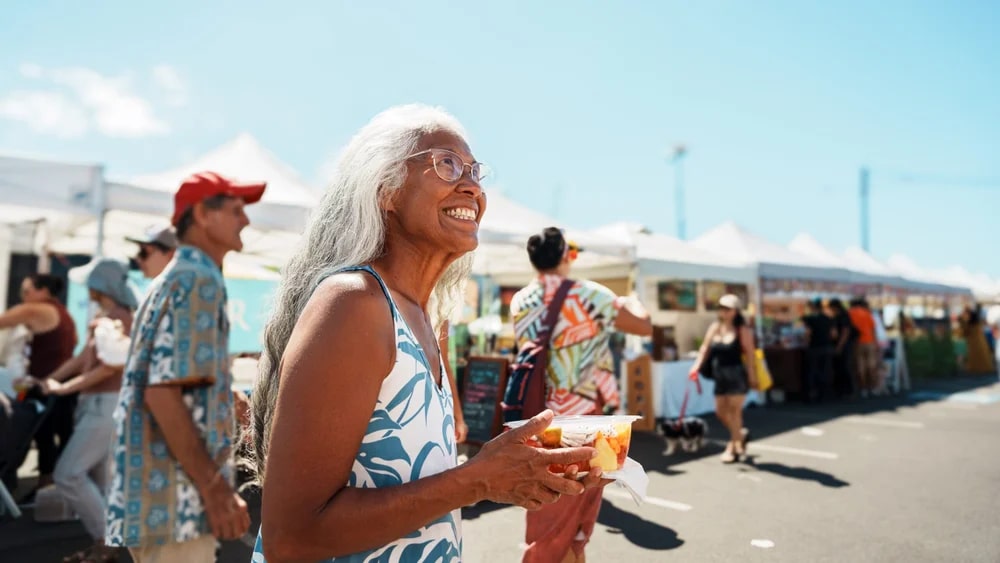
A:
(931, 356)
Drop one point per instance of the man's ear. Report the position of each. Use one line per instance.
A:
(200, 214)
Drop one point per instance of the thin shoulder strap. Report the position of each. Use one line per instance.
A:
(378, 278)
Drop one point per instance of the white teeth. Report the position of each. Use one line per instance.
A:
(462, 213)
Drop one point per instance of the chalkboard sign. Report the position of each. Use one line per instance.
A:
(482, 390)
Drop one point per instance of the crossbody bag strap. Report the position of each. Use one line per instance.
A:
(552, 317)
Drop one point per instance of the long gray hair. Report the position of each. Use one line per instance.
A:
(347, 229)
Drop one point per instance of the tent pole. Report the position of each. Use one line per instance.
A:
(100, 206)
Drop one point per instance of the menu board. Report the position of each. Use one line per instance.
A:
(677, 295)
(484, 383)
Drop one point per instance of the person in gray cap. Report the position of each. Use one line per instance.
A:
(156, 249)
(82, 472)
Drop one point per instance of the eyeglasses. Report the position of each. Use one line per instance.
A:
(449, 166)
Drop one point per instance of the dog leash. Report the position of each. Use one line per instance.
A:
(687, 394)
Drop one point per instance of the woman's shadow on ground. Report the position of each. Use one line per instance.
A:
(639, 531)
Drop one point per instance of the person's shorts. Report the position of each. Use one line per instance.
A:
(731, 380)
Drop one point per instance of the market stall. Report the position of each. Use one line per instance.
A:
(787, 279)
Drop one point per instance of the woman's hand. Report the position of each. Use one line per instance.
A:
(24, 383)
(515, 473)
(593, 478)
(461, 430)
(51, 386)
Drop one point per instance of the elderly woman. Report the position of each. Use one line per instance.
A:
(580, 375)
(83, 468)
(353, 421)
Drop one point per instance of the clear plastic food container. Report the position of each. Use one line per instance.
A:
(609, 435)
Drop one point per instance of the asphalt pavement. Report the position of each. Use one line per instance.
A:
(911, 478)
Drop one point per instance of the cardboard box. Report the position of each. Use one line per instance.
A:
(640, 392)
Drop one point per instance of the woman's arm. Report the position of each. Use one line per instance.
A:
(30, 314)
(332, 370)
(709, 335)
(634, 319)
(70, 367)
(750, 353)
(83, 381)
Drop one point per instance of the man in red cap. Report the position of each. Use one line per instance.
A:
(172, 493)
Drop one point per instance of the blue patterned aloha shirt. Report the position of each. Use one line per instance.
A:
(179, 337)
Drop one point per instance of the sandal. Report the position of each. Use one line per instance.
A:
(728, 456)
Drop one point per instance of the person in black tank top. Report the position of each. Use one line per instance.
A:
(726, 344)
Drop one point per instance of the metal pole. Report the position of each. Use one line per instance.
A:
(678, 161)
(863, 195)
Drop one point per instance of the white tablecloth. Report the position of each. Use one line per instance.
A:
(670, 379)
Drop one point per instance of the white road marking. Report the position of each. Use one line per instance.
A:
(868, 437)
(793, 451)
(810, 431)
(754, 478)
(763, 544)
(884, 422)
(664, 503)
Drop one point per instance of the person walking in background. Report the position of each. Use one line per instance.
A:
(843, 351)
(82, 472)
(156, 249)
(172, 491)
(819, 352)
(866, 348)
(580, 376)
(979, 360)
(353, 422)
(729, 347)
(53, 339)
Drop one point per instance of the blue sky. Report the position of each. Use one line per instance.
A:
(575, 104)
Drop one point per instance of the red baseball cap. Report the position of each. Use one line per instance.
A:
(203, 185)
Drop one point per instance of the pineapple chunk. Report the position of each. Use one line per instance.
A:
(552, 437)
(606, 458)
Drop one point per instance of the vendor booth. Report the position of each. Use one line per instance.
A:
(680, 286)
(787, 279)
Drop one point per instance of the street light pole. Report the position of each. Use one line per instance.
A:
(863, 196)
(677, 159)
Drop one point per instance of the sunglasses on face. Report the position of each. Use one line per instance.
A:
(450, 167)
(146, 250)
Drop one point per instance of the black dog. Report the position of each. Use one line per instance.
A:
(689, 432)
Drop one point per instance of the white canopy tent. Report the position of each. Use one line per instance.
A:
(806, 244)
(660, 255)
(284, 207)
(771, 260)
(930, 282)
(503, 237)
(983, 287)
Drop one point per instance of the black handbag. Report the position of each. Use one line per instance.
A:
(707, 366)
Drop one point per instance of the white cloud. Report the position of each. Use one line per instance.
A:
(30, 70)
(50, 113)
(86, 100)
(170, 82)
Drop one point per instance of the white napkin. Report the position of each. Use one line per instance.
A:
(632, 477)
(112, 343)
